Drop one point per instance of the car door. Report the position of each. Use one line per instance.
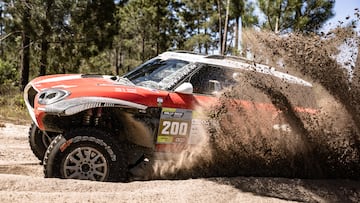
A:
(181, 120)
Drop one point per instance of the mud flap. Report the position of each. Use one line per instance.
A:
(142, 169)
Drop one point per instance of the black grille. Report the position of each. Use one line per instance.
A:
(31, 96)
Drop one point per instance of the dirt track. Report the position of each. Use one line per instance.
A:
(22, 181)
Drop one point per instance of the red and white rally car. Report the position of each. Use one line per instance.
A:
(101, 127)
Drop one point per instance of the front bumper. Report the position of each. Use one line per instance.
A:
(29, 97)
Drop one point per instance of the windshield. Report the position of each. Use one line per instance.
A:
(159, 74)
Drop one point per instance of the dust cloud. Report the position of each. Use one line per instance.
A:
(281, 129)
(183, 164)
(331, 135)
(307, 144)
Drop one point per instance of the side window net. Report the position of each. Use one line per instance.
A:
(211, 79)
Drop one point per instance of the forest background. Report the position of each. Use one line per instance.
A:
(39, 37)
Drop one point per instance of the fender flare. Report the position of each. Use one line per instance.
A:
(72, 106)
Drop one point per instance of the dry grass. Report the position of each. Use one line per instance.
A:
(12, 106)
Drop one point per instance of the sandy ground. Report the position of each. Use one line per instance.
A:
(21, 180)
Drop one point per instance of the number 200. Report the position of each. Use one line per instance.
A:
(174, 128)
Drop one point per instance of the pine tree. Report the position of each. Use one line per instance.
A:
(25, 62)
(18, 23)
(243, 12)
(195, 16)
(296, 15)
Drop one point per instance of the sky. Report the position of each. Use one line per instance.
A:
(348, 52)
(342, 9)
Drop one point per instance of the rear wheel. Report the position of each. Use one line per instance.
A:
(86, 154)
(39, 141)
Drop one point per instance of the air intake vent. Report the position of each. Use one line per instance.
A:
(31, 96)
(91, 76)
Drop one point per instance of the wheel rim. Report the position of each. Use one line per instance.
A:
(85, 163)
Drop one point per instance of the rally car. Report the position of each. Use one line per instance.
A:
(104, 128)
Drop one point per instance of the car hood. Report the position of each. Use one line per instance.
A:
(70, 81)
(100, 86)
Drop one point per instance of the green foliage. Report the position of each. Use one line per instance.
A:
(147, 28)
(193, 42)
(92, 24)
(96, 65)
(296, 15)
(8, 73)
(249, 18)
(112, 37)
(200, 19)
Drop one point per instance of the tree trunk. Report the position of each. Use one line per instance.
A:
(220, 27)
(43, 59)
(143, 47)
(225, 28)
(1, 32)
(158, 28)
(198, 28)
(117, 64)
(277, 20)
(25, 61)
(237, 24)
(206, 46)
(25, 58)
(44, 37)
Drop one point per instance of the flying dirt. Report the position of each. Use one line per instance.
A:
(329, 140)
(322, 144)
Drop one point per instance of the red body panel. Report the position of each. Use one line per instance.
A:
(79, 86)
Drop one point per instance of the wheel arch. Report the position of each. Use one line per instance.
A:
(63, 145)
(73, 106)
(137, 126)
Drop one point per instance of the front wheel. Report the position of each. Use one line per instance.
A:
(86, 154)
(39, 141)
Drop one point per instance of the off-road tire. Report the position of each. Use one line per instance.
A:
(38, 141)
(71, 156)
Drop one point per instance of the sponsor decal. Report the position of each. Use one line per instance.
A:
(64, 86)
(122, 89)
(282, 127)
(65, 145)
(180, 126)
(180, 139)
(159, 101)
(60, 78)
(198, 126)
(175, 125)
(165, 139)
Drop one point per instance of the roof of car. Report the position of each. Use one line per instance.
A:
(182, 55)
(232, 62)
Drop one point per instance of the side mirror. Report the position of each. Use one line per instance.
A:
(185, 88)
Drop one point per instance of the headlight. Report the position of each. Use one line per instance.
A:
(51, 96)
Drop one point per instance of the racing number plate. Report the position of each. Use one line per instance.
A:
(175, 126)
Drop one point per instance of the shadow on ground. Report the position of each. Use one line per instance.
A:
(296, 189)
